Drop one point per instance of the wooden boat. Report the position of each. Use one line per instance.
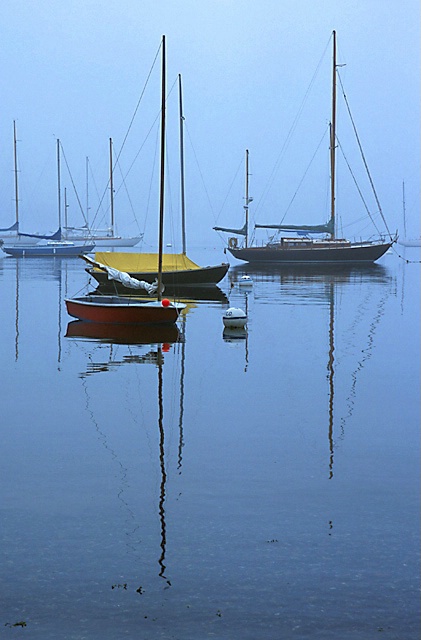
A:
(177, 268)
(123, 310)
(114, 309)
(102, 237)
(331, 249)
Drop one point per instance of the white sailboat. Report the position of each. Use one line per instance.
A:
(103, 238)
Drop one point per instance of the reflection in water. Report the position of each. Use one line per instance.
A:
(208, 293)
(123, 333)
(331, 373)
(162, 467)
(131, 336)
(323, 285)
(132, 525)
(17, 314)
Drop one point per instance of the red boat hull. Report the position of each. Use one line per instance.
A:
(120, 310)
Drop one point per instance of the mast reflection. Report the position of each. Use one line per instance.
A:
(159, 339)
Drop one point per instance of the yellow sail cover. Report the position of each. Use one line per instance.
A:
(143, 262)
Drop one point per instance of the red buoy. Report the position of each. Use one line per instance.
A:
(165, 302)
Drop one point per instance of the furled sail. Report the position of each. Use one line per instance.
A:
(318, 228)
(240, 232)
(54, 236)
(123, 277)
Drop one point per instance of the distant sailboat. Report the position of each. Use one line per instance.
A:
(47, 246)
(103, 238)
(306, 249)
(12, 235)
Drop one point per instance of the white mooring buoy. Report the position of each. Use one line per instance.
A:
(234, 318)
(245, 281)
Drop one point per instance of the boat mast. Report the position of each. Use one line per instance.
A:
(65, 208)
(183, 206)
(58, 185)
(111, 188)
(87, 189)
(246, 206)
(333, 141)
(403, 209)
(15, 157)
(162, 175)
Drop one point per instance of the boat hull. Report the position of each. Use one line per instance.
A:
(352, 253)
(120, 310)
(107, 242)
(171, 278)
(39, 250)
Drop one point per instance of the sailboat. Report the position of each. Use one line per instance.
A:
(44, 246)
(114, 309)
(330, 249)
(107, 237)
(177, 269)
(12, 235)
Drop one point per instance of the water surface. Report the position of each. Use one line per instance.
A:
(195, 485)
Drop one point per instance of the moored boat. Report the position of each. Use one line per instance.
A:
(49, 248)
(304, 248)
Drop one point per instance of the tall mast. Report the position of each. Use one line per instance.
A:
(65, 208)
(87, 189)
(403, 209)
(111, 188)
(183, 207)
(58, 184)
(15, 157)
(162, 175)
(246, 206)
(333, 141)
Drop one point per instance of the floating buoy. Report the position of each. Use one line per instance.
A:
(245, 281)
(234, 318)
(165, 302)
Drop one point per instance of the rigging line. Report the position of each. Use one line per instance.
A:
(305, 173)
(73, 184)
(144, 141)
(292, 129)
(357, 186)
(139, 101)
(132, 120)
(362, 154)
(97, 193)
(200, 172)
(230, 187)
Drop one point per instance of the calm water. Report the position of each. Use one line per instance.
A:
(262, 487)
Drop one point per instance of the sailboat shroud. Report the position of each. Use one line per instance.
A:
(307, 249)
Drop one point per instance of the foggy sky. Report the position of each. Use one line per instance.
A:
(75, 71)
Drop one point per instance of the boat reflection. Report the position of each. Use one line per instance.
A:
(367, 288)
(123, 334)
(308, 272)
